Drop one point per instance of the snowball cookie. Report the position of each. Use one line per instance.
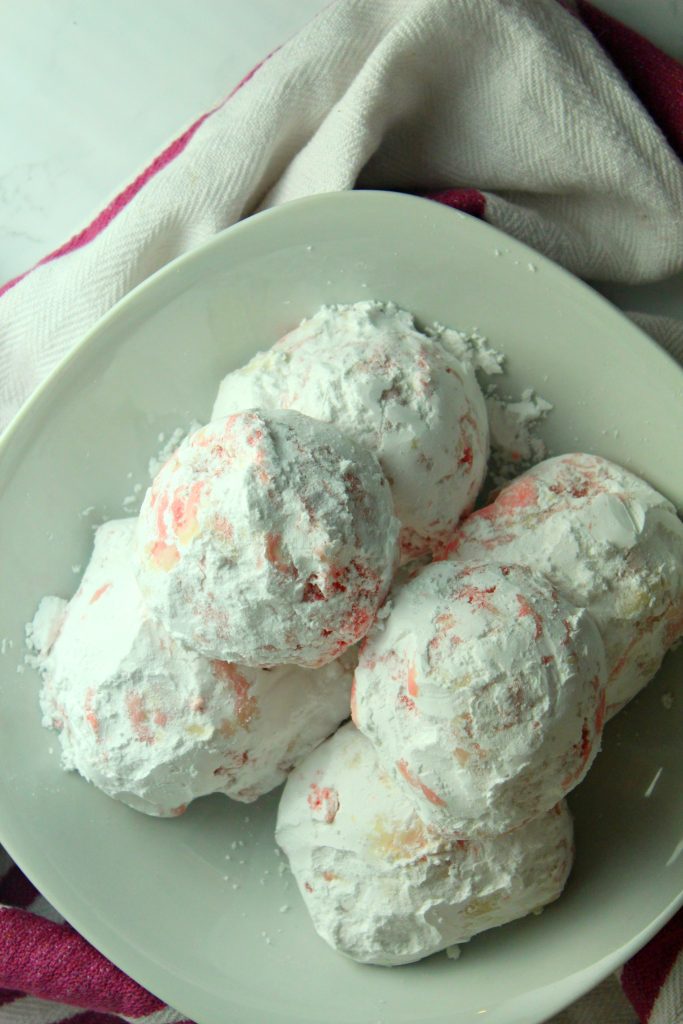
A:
(267, 538)
(154, 724)
(608, 541)
(385, 888)
(402, 394)
(483, 693)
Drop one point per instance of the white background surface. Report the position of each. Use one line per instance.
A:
(91, 90)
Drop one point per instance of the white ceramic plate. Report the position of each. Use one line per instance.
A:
(153, 895)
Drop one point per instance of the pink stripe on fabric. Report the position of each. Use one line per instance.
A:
(103, 219)
(119, 203)
(16, 890)
(90, 1017)
(646, 972)
(468, 200)
(52, 961)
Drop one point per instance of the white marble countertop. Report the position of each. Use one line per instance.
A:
(91, 90)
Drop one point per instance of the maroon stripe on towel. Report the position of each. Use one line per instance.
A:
(656, 78)
(8, 995)
(16, 890)
(468, 200)
(646, 972)
(90, 1017)
(106, 216)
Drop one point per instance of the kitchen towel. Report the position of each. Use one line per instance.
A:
(550, 120)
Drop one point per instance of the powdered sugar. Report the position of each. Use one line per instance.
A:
(168, 446)
(515, 443)
(154, 724)
(402, 393)
(268, 537)
(385, 888)
(483, 695)
(608, 541)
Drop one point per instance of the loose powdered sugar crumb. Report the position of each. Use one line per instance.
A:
(513, 423)
(131, 503)
(515, 445)
(471, 348)
(168, 446)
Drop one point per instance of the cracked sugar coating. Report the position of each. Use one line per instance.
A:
(608, 541)
(403, 394)
(385, 888)
(154, 724)
(267, 538)
(483, 692)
